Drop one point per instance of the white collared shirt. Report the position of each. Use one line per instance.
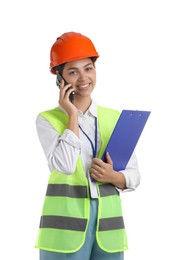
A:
(62, 151)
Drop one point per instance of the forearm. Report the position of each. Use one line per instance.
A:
(118, 180)
(128, 179)
(73, 123)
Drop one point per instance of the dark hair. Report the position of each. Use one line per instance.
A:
(60, 67)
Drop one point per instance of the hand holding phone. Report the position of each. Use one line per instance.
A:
(59, 81)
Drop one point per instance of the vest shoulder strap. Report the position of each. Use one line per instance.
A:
(107, 119)
(108, 113)
(57, 118)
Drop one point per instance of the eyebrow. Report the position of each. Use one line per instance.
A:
(75, 68)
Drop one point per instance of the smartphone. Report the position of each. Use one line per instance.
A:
(58, 82)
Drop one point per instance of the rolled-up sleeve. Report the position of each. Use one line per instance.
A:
(132, 174)
(61, 151)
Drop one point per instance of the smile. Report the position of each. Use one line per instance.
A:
(84, 87)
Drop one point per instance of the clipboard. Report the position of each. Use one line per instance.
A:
(125, 136)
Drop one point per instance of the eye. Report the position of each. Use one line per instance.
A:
(72, 72)
(89, 68)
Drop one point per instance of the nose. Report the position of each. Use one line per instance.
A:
(82, 76)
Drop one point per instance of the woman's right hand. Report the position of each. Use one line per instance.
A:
(71, 110)
(64, 101)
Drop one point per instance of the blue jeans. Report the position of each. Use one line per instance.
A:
(90, 249)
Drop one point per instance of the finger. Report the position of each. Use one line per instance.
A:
(108, 158)
(66, 88)
(98, 172)
(93, 171)
(98, 161)
(93, 176)
(96, 169)
(66, 91)
(97, 176)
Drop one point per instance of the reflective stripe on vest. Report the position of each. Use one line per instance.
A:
(78, 191)
(66, 209)
(111, 223)
(59, 222)
(68, 223)
(67, 190)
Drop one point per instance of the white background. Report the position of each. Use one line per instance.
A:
(138, 68)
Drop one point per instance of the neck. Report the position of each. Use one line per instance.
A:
(83, 104)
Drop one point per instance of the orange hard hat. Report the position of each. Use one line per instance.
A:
(71, 46)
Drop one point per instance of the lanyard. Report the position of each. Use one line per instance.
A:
(93, 146)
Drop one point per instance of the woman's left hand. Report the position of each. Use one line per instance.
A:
(102, 171)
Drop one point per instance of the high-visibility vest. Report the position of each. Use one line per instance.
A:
(66, 210)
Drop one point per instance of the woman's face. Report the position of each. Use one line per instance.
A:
(82, 75)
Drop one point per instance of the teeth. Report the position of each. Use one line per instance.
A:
(84, 86)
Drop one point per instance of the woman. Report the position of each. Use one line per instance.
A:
(82, 215)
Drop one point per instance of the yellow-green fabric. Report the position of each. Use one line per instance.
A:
(66, 209)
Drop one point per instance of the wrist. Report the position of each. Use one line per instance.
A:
(119, 180)
(73, 123)
(73, 113)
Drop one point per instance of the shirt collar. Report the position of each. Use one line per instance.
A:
(92, 109)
